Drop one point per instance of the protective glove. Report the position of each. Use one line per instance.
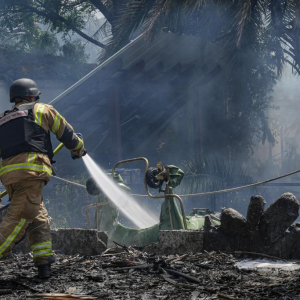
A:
(82, 152)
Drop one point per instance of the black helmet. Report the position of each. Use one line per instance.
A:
(24, 87)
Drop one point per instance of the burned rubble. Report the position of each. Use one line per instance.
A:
(184, 264)
(129, 273)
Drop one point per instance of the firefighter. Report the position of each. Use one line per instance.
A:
(27, 154)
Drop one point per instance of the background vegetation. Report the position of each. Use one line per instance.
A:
(259, 37)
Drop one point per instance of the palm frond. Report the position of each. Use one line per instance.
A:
(194, 6)
(275, 24)
(297, 13)
(103, 31)
(243, 15)
(131, 19)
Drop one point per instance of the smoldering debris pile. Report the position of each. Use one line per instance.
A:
(128, 273)
(267, 231)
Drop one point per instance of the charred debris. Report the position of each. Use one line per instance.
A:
(131, 272)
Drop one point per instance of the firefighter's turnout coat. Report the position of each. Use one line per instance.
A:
(26, 152)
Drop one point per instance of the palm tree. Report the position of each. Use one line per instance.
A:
(234, 23)
(258, 37)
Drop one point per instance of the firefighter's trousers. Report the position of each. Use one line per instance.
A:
(27, 213)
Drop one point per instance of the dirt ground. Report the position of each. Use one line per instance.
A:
(127, 273)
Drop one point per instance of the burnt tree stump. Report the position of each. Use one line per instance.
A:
(288, 246)
(268, 232)
(232, 222)
(278, 218)
(255, 212)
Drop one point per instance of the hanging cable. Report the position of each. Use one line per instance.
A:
(240, 187)
(70, 182)
(204, 193)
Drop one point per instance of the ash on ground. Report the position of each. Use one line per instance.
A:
(128, 273)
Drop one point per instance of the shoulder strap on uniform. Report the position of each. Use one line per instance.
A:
(8, 112)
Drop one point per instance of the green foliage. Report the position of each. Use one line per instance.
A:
(21, 22)
(21, 31)
(47, 43)
(231, 22)
(74, 51)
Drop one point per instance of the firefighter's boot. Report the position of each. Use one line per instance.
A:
(44, 267)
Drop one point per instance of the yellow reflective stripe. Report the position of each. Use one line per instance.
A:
(39, 245)
(79, 145)
(24, 166)
(45, 253)
(56, 124)
(39, 113)
(31, 157)
(12, 236)
(42, 251)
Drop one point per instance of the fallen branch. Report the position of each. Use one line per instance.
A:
(122, 264)
(122, 246)
(113, 254)
(212, 256)
(104, 252)
(185, 276)
(70, 260)
(167, 278)
(142, 266)
(177, 258)
(89, 269)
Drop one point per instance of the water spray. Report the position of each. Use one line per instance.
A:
(153, 178)
(130, 208)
